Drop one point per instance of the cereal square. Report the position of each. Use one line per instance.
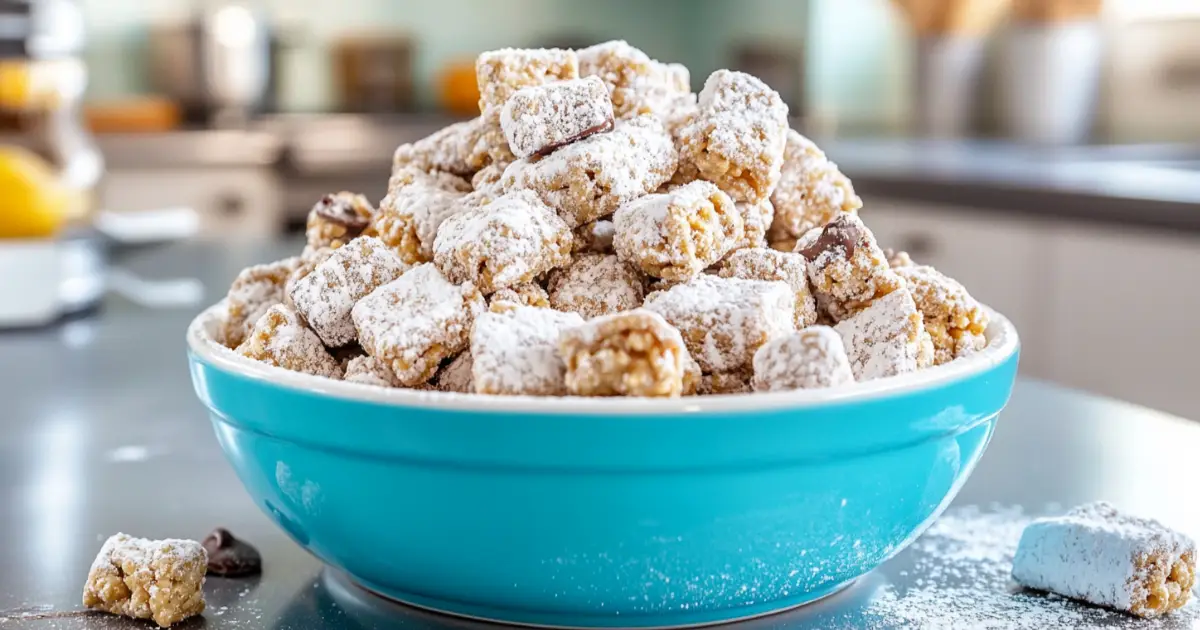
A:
(416, 321)
(455, 375)
(516, 352)
(280, 338)
(953, 319)
(767, 264)
(368, 370)
(326, 296)
(589, 179)
(811, 191)
(756, 219)
(886, 338)
(675, 235)
(500, 73)
(255, 290)
(409, 218)
(725, 383)
(812, 358)
(457, 149)
(634, 353)
(595, 237)
(336, 219)
(510, 241)
(524, 294)
(847, 268)
(596, 284)
(724, 321)
(636, 83)
(160, 580)
(737, 137)
(541, 118)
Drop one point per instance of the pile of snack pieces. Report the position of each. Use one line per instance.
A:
(600, 230)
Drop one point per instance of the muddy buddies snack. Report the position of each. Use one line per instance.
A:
(1106, 557)
(953, 319)
(455, 375)
(812, 358)
(326, 296)
(768, 264)
(337, 219)
(370, 371)
(595, 237)
(847, 268)
(516, 351)
(736, 139)
(416, 321)
(589, 179)
(255, 290)
(676, 235)
(756, 222)
(509, 241)
(725, 383)
(596, 284)
(811, 191)
(280, 338)
(409, 218)
(524, 294)
(457, 149)
(635, 353)
(500, 73)
(886, 338)
(636, 83)
(160, 580)
(541, 118)
(724, 321)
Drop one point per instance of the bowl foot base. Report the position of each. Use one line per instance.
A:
(546, 619)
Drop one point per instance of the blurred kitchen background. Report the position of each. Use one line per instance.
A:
(1044, 152)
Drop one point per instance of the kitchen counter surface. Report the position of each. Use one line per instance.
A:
(1141, 186)
(101, 433)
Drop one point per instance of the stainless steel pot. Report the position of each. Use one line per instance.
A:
(221, 63)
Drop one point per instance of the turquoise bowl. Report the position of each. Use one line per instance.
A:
(593, 513)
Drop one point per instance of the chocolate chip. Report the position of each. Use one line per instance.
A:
(339, 209)
(841, 232)
(230, 557)
(603, 127)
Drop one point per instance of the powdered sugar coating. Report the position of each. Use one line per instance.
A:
(724, 321)
(589, 179)
(416, 321)
(336, 219)
(516, 351)
(896, 259)
(368, 370)
(676, 235)
(505, 243)
(812, 358)
(309, 259)
(811, 190)
(953, 319)
(596, 284)
(500, 73)
(255, 290)
(886, 338)
(737, 138)
(409, 218)
(280, 338)
(524, 294)
(595, 237)
(160, 580)
(409, 176)
(457, 149)
(540, 118)
(847, 268)
(767, 264)
(1103, 556)
(636, 83)
(456, 375)
(725, 383)
(634, 353)
(326, 296)
(488, 180)
(756, 221)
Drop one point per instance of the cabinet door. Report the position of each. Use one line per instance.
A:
(1125, 316)
(232, 203)
(999, 260)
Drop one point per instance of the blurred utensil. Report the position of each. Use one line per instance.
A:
(374, 73)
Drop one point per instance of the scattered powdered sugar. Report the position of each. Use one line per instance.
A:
(809, 359)
(541, 118)
(596, 284)
(883, 339)
(516, 351)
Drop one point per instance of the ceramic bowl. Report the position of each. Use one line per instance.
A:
(603, 512)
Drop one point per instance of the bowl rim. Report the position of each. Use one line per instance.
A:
(1003, 343)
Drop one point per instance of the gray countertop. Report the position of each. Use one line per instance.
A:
(101, 432)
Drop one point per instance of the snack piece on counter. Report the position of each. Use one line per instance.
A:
(457, 149)
(595, 237)
(516, 351)
(953, 319)
(416, 321)
(812, 358)
(254, 290)
(409, 218)
(456, 375)
(847, 268)
(636, 83)
(510, 241)
(500, 73)
(724, 321)
(767, 264)
(326, 295)
(634, 353)
(811, 191)
(524, 294)
(367, 370)
(280, 338)
(589, 179)
(541, 118)
(159, 580)
(336, 219)
(594, 285)
(675, 235)
(229, 556)
(1106, 557)
(886, 338)
(737, 137)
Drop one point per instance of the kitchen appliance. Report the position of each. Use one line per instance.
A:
(374, 73)
(222, 65)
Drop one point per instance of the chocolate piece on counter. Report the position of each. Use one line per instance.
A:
(840, 232)
(230, 557)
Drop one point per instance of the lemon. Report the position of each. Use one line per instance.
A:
(33, 202)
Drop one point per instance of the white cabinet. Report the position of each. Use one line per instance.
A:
(231, 202)
(1000, 261)
(1125, 308)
